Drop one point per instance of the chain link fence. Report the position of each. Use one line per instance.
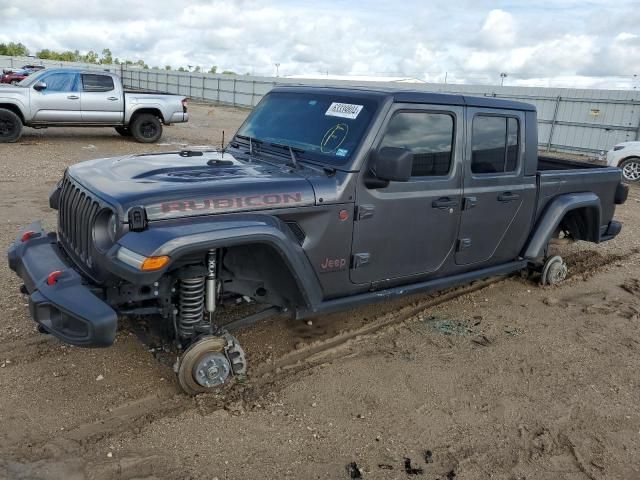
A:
(571, 120)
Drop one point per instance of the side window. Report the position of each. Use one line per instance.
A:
(429, 136)
(97, 83)
(494, 144)
(60, 82)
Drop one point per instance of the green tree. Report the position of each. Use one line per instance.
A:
(107, 57)
(90, 57)
(197, 69)
(13, 49)
(213, 69)
(167, 67)
(182, 69)
(45, 54)
(229, 72)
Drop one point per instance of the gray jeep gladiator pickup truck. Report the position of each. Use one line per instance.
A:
(65, 97)
(325, 199)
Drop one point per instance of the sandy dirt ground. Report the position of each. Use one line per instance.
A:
(503, 380)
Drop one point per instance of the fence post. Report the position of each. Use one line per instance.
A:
(218, 91)
(203, 82)
(253, 92)
(234, 92)
(553, 122)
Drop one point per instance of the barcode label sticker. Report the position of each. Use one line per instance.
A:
(343, 110)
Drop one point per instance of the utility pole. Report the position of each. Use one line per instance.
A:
(503, 75)
(277, 69)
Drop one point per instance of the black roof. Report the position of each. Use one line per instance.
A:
(413, 96)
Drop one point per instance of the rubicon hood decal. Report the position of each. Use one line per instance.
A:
(224, 204)
(170, 186)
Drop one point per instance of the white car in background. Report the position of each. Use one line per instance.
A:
(626, 155)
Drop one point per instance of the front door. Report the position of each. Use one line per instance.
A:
(59, 102)
(498, 198)
(410, 228)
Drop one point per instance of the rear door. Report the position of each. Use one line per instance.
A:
(59, 102)
(102, 99)
(409, 228)
(498, 199)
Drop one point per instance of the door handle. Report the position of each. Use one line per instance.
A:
(73, 97)
(113, 99)
(444, 203)
(508, 197)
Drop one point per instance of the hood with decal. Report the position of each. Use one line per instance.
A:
(174, 185)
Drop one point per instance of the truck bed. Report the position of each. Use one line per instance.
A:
(549, 162)
(557, 176)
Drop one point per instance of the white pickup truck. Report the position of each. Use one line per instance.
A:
(86, 98)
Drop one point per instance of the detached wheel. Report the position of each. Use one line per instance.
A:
(631, 169)
(10, 126)
(554, 271)
(146, 128)
(124, 131)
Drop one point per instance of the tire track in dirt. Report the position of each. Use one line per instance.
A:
(136, 413)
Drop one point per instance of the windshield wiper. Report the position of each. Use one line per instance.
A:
(292, 152)
(251, 141)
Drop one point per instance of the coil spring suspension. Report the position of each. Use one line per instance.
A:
(191, 305)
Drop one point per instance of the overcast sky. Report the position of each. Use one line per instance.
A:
(562, 43)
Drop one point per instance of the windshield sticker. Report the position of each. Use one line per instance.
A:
(342, 152)
(334, 137)
(344, 110)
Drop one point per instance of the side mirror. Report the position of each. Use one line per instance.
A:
(392, 164)
(39, 86)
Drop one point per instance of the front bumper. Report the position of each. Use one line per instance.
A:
(66, 307)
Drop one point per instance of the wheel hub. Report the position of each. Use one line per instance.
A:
(209, 362)
(212, 370)
(555, 271)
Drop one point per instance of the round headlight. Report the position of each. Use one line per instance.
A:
(105, 229)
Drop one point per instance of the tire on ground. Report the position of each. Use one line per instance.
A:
(10, 126)
(124, 131)
(146, 128)
(630, 169)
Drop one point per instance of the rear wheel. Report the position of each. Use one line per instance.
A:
(124, 131)
(15, 82)
(10, 126)
(146, 128)
(631, 169)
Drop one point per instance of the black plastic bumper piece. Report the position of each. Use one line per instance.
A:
(622, 192)
(612, 230)
(66, 308)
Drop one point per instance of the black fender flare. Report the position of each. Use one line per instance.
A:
(178, 238)
(553, 215)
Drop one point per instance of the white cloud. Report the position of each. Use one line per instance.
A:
(472, 40)
(498, 30)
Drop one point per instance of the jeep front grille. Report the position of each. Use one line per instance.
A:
(77, 211)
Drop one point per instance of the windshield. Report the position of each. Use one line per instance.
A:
(327, 128)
